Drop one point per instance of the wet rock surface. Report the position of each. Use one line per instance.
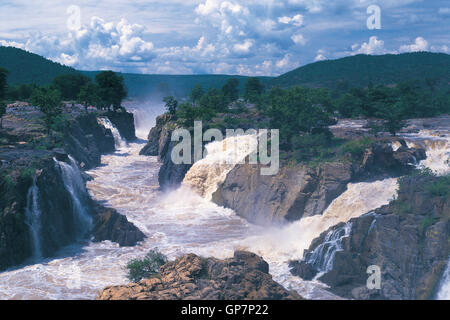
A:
(302, 190)
(110, 225)
(243, 277)
(22, 160)
(407, 239)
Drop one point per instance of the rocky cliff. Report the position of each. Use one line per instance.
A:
(304, 190)
(159, 144)
(245, 276)
(43, 196)
(407, 239)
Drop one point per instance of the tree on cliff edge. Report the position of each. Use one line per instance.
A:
(111, 89)
(49, 102)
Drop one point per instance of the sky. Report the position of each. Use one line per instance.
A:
(241, 37)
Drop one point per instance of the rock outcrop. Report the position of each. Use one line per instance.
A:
(301, 190)
(245, 276)
(159, 144)
(111, 225)
(24, 167)
(293, 193)
(86, 140)
(124, 122)
(407, 239)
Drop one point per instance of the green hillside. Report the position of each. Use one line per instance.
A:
(354, 71)
(361, 70)
(26, 68)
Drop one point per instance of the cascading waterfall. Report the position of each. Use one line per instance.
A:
(183, 222)
(119, 141)
(444, 287)
(437, 148)
(33, 220)
(74, 184)
(222, 156)
(322, 258)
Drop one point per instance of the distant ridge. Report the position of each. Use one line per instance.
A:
(25, 67)
(361, 70)
(353, 71)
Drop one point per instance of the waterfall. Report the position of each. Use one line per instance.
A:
(289, 243)
(74, 184)
(119, 141)
(33, 220)
(444, 287)
(322, 258)
(205, 175)
(437, 148)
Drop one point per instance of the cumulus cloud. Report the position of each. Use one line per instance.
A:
(296, 20)
(299, 39)
(251, 37)
(98, 44)
(374, 46)
(420, 44)
(320, 55)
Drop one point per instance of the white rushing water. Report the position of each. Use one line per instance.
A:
(119, 141)
(444, 286)
(183, 221)
(33, 220)
(74, 184)
(222, 156)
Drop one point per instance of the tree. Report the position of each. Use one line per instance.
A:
(196, 93)
(88, 95)
(394, 118)
(48, 100)
(253, 90)
(230, 90)
(3, 76)
(70, 85)
(171, 104)
(213, 100)
(111, 89)
(295, 111)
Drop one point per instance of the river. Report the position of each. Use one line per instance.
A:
(183, 221)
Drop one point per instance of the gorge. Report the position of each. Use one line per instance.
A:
(212, 210)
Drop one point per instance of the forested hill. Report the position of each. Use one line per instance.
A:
(355, 71)
(27, 68)
(361, 70)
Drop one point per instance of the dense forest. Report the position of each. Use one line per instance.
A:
(358, 71)
(363, 70)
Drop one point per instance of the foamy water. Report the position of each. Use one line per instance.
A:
(178, 222)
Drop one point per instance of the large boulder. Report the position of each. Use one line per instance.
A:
(245, 276)
(407, 239)
(110, 225)
(293, 193)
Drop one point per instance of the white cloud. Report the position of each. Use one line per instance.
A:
(420, 44)
(296, 20)
(243, 47)
(320, 56)
(444, 11)
(374, 46)
(299, 39)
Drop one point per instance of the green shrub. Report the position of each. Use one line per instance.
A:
(438, 188)
(357, 147)
(147, 267)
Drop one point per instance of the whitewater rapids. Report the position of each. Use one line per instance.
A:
(180, 222)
